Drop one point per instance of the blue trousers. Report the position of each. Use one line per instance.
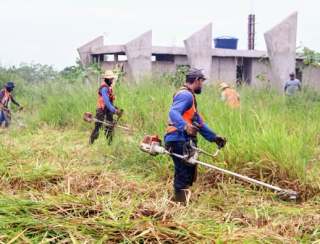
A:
(184, 173)
(4, 119)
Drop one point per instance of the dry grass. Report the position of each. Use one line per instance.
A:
(56, 188)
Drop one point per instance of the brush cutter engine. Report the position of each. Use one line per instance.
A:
(152, 145)
(88, 117)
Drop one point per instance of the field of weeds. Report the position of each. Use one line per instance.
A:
(54, 187)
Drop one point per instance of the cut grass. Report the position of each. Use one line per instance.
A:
(86, 195)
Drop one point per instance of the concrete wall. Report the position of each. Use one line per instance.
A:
(311, 77)
(181, 60)
(199, 48)
(138, 52)
(260, 73)
(163, 67)
(281, 45)
(112, 65)
(224, 69)
(159, 67)
(85, 50)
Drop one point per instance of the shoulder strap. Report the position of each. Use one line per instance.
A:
(185, 88)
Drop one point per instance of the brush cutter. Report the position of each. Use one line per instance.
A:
(88, 117)
(152, 146)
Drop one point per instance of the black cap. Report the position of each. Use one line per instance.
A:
(9, 84)
(292, 74)
(194, 73)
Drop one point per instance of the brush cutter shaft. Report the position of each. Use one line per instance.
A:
(291, 193)
(109, 124)
(155, 148)
(246, 178)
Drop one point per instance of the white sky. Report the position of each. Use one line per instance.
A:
(50, 31)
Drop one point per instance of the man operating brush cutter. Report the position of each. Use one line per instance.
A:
(5, 98)
(181, 141)
(105, 108)
(181, 135)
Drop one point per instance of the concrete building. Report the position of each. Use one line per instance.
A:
(218, 64)
(139, 57)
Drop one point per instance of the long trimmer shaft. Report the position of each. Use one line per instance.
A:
(154, 149)
(88, 117)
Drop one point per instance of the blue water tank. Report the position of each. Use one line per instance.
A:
(226, 42)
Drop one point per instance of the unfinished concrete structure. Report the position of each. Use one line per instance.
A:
(198, 49)
(281, 46)
(139, 57)
(138, 52)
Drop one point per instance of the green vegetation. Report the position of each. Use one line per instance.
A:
(54, 187)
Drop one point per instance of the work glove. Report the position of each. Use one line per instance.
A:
(191, 130)
(220, 141)
(20, 108)
(119, 112)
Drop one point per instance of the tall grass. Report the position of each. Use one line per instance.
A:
(56, 188)
(267, 132)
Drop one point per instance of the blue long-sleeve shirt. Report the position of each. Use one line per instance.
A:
(181, 103)
(106, 99)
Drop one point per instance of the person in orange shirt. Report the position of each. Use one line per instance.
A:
(229, 95)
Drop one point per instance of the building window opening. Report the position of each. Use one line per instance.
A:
(164, 57)
(108, 58)
(122, 58)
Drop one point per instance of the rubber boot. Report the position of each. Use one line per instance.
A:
(94, 135)
(182, 196)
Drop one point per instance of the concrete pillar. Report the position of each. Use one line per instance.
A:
(138, 53)
(85, 50)
(199, 49)
(281, 46)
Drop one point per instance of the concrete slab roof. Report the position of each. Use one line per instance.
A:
(109, 49)
(216, 52)
(219, 52)
(169, 50)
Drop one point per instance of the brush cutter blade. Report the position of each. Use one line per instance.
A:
(88, 117)
(288, 195)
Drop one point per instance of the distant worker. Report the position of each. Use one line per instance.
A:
(183, 125)
(229, 95)
(5, 98)
(105, 108)
(292, 86)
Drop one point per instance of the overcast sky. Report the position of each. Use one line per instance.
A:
(50, 31)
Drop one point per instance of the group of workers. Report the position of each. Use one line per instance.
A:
(184, 121)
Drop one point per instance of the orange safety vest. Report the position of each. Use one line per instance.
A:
(100, 103)
(6, 97)
(188, 115)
